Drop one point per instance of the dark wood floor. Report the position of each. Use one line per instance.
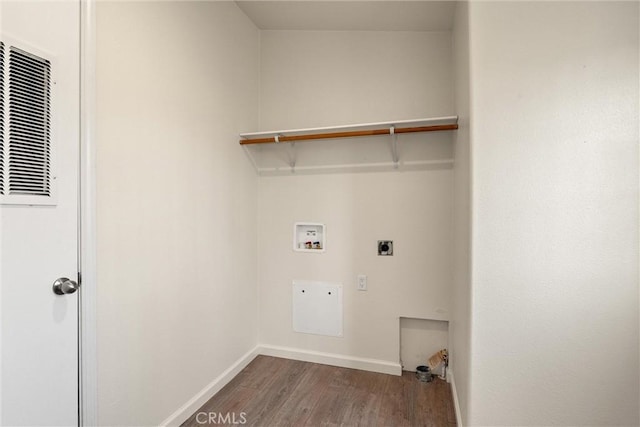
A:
(279, 392)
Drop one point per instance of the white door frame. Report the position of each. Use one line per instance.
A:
(88, 356)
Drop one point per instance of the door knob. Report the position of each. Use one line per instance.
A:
(64, 286)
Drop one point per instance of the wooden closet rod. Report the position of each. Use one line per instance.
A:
(348, 134)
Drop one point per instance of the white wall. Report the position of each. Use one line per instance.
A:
(326, 78)
(331, 78)
(177, 294)
(413, 209)
(460, 325)
(555, 213)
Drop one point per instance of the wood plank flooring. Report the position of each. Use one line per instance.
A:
(272, 391)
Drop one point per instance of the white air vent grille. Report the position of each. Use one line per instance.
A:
(1, 118)
(28, 158)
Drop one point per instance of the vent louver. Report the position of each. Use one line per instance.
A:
(28, 156)
(1, 118)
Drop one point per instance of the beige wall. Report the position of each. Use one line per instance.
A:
(554, 91)
(327, 78)
(460, 325)
(177, 295)
(413, 209)
(313, 78)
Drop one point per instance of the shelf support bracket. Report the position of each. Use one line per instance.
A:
(394, 146)
(292, 156)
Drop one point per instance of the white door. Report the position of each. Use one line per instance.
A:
(39, 212)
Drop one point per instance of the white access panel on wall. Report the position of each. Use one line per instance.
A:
(317, 308)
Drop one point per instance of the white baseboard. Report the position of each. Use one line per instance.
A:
(189, 408)
(456, 402)
(373, 365)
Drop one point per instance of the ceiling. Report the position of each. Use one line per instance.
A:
(337, 15)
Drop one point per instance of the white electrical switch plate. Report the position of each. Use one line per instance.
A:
(362, 282)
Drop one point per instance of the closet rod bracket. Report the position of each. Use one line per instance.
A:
(292, 156)
(394, 146)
